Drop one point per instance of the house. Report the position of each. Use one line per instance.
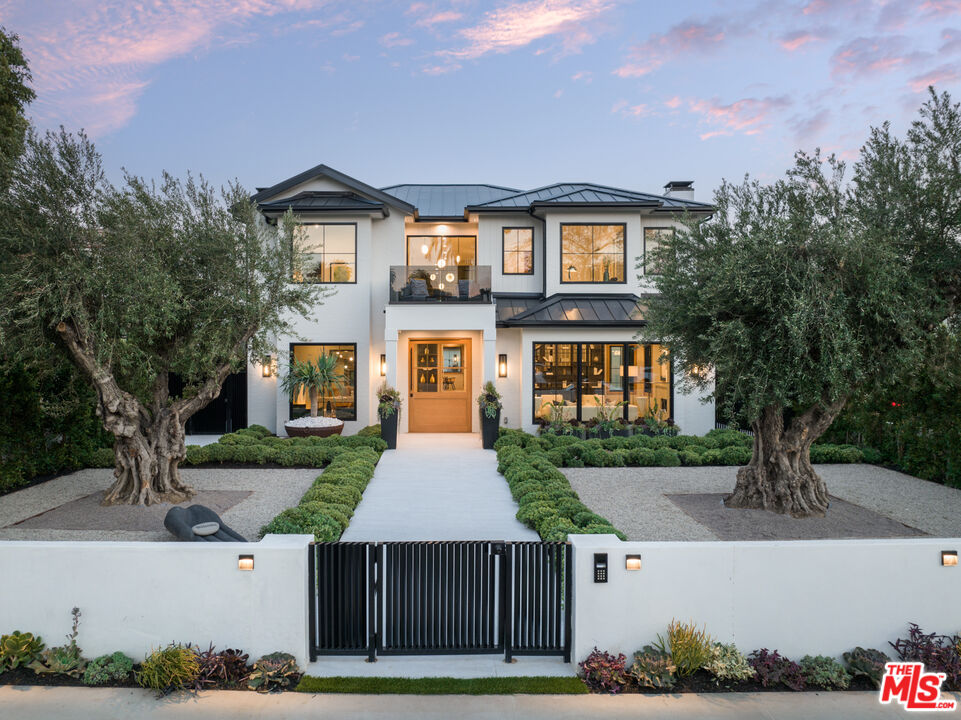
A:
(442, 287)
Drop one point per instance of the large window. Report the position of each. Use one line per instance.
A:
(329, 253)
(518, 248)
(652, 241)
(580, 377)
(593, 253)
(441, 250)
(342, 401)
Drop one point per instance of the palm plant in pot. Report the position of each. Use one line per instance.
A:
(319, 379)
(388, 411)
(489, 402)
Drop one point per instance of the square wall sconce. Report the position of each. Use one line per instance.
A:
(245, 562)
(632, 562)
(949, 558)
(502, 365)
(383, 365)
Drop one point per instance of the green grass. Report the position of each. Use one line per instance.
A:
(444, 686)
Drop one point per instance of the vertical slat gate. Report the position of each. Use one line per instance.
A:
(340, 575)
(540, 598)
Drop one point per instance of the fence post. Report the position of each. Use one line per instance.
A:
(568, 610)
(311, 603)
(373, 600)
(507, 626)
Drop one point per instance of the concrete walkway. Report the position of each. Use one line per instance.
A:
(41, 703)
(426, 666)
(437, 487)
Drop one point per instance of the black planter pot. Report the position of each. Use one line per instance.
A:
(388, 430)
(489, 428)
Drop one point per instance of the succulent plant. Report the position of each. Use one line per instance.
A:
(227, 668)
(63, 660)
(653, 669)
(18, 649)
(273, 672)
(868, 663)
(105, 668)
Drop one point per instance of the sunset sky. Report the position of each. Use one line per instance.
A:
(523, 93)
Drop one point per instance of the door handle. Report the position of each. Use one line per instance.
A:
(412, 394)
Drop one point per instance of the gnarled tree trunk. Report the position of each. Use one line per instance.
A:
(780, 476)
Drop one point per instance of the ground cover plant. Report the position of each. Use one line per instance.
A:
(939, 653)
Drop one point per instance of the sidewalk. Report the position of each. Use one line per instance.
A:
(437, 487)
(42, 703)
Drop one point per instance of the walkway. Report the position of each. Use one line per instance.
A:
(437, 487)
(121, 704)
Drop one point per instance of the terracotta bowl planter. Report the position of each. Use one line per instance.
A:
(314, 431)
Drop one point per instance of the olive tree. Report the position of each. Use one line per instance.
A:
(799, 292)
(135, 283)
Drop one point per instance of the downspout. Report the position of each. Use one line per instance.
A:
(530, 211)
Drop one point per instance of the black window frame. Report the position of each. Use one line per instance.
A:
(504, 249)
(591, 282)
(432, 237)
(330, 282)
(644, 241)
(579, 355)
(290, 401)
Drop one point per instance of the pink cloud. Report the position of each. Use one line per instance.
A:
(815, 6)
(950, 41)
(937, 77)
(674, 103)
(522, 23)
(748, 116)
(660, 48)
(622, 107)
(940, 8)
(797, 39)
(586, 75)
(873, 55)
(438, 18)
(811, 126)
(440, 69)
(394, 39)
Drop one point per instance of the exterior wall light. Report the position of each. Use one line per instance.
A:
(949, 558)
(632, 562)
(267, 366)
(383, 365)
(502, 365)
(245, 562)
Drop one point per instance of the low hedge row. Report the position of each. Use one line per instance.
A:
(547, 502)
(328, 505)
(718, 447)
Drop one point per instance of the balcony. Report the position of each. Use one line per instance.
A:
(432, 284)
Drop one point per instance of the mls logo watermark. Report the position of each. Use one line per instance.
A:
(908, 684)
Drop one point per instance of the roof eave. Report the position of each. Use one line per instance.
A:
(383, 211)
(337, 176)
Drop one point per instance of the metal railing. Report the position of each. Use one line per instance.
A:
(432, 284)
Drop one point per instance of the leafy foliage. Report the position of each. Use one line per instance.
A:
(15, 95)
(273, 672)
(773, 668)
(388, 401)
(489, 400)
(175, 667)
(866, 663)
(65, 659)
(653, 668)
(727, 664)
(19, 649)
(824, 672)
(224, 669)
(603, 672)
(100, 671)
(939, 653)
(689, 648)
(313, 377)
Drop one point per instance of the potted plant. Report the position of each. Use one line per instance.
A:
(388, 410)
(318, 379)
(607, 422)
(489, 402)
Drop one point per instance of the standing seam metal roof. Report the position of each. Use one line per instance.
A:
(447, 201)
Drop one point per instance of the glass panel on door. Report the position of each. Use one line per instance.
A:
(425, 368)
(452, 370)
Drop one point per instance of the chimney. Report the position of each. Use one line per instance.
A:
(680, 189)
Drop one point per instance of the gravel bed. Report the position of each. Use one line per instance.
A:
(271, 491)
(634, 498)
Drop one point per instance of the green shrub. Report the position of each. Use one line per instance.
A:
(101, 458)
(653, 669)
(867, 663)
(665, 457)
(690, 648)
(735, 455)
(727, 664)
(19, 649)
(825, 672)
(369, 431)
(342, 494)
(106, 668)
(273, 672)
(174, 668)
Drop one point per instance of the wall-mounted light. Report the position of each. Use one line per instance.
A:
(949, 558)
(502, 365)
(245, 562)
(267, 366)
(632, 562)
(383, 365)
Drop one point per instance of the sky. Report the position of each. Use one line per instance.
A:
(521, 94)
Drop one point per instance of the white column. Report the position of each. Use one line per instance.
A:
(490, 355)
(391, 351)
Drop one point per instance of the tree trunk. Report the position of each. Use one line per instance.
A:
(312, 392)
(780, 476)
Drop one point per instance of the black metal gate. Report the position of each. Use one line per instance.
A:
(445, 598)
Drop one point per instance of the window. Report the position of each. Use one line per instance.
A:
(593, 253)
(342, 401)
(441, 250)
(518, 246)
(652, 241)
(574, 379)
(330, 253)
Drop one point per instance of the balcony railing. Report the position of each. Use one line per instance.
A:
(431, 284)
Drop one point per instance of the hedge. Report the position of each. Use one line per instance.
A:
(326, 508)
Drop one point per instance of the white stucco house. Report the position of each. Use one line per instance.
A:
(442, 287)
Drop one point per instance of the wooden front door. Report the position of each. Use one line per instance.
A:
(440, 386)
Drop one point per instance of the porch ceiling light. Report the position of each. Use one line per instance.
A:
(383, 365)
(502, 365)
(449, 277)
(632, 562)
(245, 562)
(949, 558)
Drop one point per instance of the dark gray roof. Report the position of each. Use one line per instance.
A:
(337, 176)
(573, 194)
(318, 201)
(569, 309)
(446, 201)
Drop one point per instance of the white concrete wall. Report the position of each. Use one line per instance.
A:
(799, 597)
(490, 251)
(136, 597)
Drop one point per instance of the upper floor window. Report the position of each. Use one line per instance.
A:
(652, 241)
(441, 250)
(329, 253)
(593, 253)
(518, 248)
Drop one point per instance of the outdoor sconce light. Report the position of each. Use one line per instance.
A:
(502, 366)
(267, 366)
(383, 365)
(632, 562)
(245, 562)
(949, 558)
